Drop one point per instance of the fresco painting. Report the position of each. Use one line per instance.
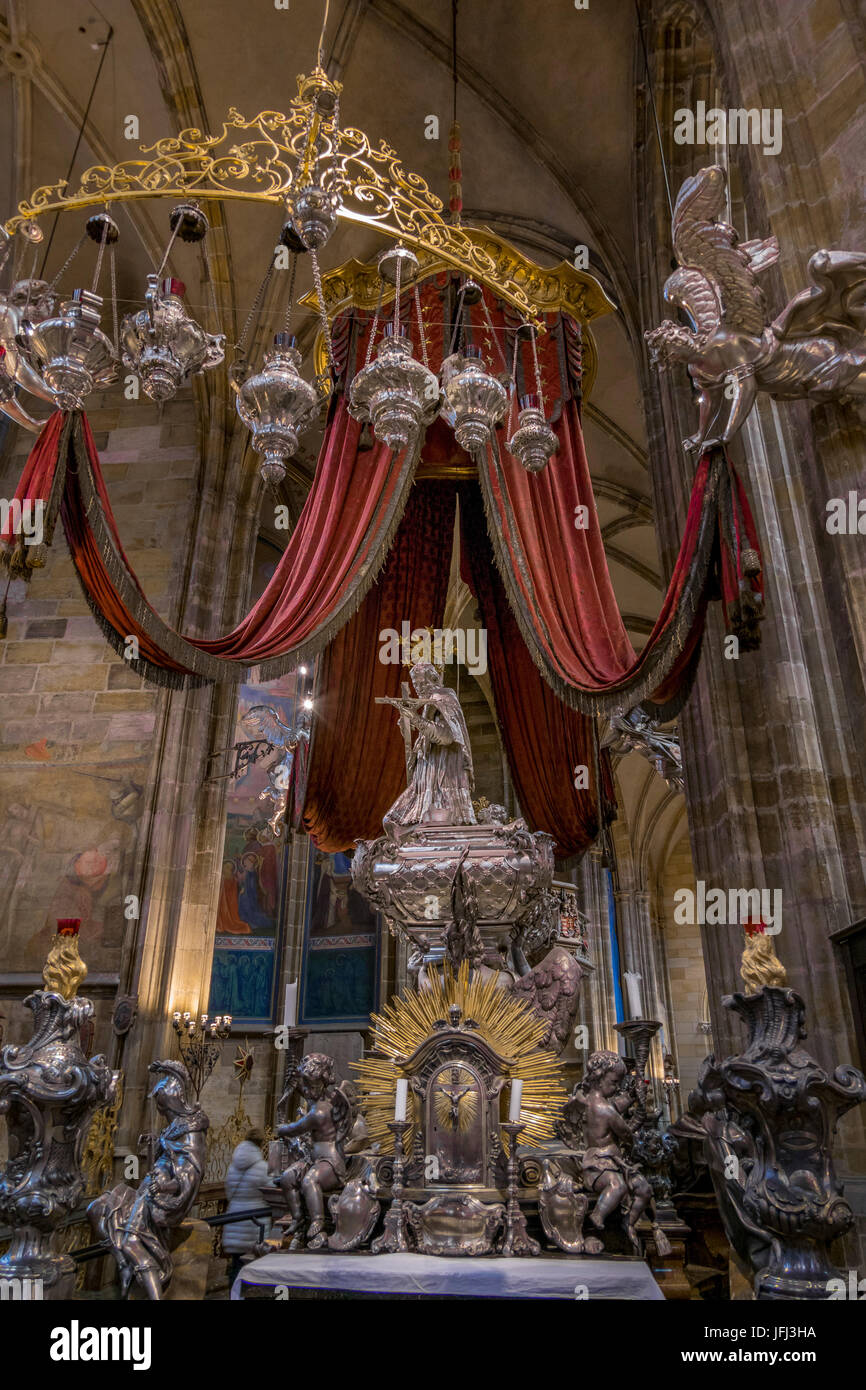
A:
(69, 846)
(246, 950)
(340, 970)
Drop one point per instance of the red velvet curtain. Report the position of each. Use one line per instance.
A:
(332, 557)
(550, 553)
(357, 763)
(545, 740)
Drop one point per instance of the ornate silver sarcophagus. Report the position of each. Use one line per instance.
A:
(499, 871)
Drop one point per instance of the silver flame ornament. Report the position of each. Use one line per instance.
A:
(533, 443)
(163, 345)
(475, 400)
(70, 351)
(277, 405)
(396, 394)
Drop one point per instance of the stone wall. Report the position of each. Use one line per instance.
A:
(774, 757)
(684, 969)
(78, 760)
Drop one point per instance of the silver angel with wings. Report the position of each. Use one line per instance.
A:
(815, 348)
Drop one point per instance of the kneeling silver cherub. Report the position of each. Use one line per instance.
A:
(317, 1143)
(606, 1170)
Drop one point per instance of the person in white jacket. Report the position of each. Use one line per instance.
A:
(247, 1172)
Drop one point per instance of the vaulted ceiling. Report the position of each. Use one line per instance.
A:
(546, 105)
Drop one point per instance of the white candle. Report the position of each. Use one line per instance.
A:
(290, 1010)
(401, 1099)
(632, 984)
(514, 1103)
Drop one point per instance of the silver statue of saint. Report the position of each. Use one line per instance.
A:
(439, 766)
(138, 1222)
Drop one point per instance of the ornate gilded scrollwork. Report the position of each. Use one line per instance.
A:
(272, 156)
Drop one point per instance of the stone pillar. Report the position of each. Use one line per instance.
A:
(597, 1001)
(640, 952)
(772, 741)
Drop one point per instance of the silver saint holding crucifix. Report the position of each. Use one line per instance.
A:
(439, 766)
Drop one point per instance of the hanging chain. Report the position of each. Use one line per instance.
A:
(323, 313)
(492, 331)
(31, 277)
(7, 251)
(69, 259)
(139, 234)
(513, 405)
(256, 304)
(537, 370)
(457, 334)
(374, 325)
(290, 302)
(212, 285)
(397, 296)
(421, 328)
(103, 242)
(171, 242)
(112, 261)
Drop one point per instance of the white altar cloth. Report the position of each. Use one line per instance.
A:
(435, 1276)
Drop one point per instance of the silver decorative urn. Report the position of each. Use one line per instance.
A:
(49, 1092)
(396, 394)
(71, 352)
(533, 443)
(475, 400)
(163, 345)
(314, 214)
(277, 405)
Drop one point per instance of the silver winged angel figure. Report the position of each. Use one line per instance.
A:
(815, 348)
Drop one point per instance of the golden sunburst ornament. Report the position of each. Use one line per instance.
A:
(506, 1024)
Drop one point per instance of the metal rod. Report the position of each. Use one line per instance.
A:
(653, 105)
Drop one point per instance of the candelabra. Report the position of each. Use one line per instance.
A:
(200, 1042)
(517, 1241)
(394, 1238)
(640, 1033)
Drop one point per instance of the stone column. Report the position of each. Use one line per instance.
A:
(772, 741)
(597, 1006)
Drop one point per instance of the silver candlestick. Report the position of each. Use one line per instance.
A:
(394, 1239)
(517, 1241)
